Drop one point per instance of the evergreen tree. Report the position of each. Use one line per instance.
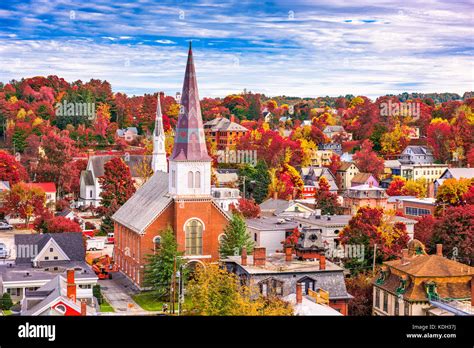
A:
(6, 302)
(262, 180)
(160, 266)
(235, 237)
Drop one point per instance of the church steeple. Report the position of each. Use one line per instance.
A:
(189, 141)
(190, 164)
(158, 161)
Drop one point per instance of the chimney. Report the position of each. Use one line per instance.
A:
(439, 249)
(259, 256)
(431, 190)
(275, 195)
(243, 257)
(71, 285)
(322, 262)
(404, 256)
(288, 253)
(299, 293)
(232, 118)
(83, 307)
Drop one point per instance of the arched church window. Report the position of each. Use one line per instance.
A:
(156, 243)
(190, 179)
(197, 180)
(193, 231)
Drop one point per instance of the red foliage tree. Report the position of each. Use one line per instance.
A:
(325, 200)
(248, 208)
(25, 200)
(424, 229)
(367, 160)
(10, 169)
(396, 187)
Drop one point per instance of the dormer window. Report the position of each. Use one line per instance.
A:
(402, 287)
(383, 275)
(431, 291)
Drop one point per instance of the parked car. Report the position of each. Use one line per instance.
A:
(5, 226)
(3, 251)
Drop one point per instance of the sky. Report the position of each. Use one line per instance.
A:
(304, 48)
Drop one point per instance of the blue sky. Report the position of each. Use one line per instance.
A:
(296, 48)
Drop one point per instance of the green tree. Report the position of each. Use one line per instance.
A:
(235, 237)
(160, 266)
(257, 180)
(6, 302)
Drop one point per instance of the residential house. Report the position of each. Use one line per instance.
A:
(224, 133)
(320, 158)
(364, 179)
(311, 176)
(180, 199)
(278, 274)
(306, 305)
(225, 197)
(270, 231)
(331, 131)
(416, 154)
(40, 258)
(347, 171)
(430, 172)
(453, 173)
(284, 208)
(58, 297)
(412, 206)
(49, 189)
(227, 177)
(364, 195)
(421, 284)
(89, 192)
(129, 134)
(392, 167)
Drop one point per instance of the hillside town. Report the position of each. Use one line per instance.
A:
(141, 205)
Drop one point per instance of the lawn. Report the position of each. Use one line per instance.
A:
(106, 307)
(7, 312)
(147, 300)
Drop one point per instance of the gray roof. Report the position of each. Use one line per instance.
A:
(18, 272)
(459, 173)
(332, 129)
(418, 150)
(86, 175)
(274, 204)
(224, 124)
(70, 242)
(270, 223)
(132, 162)
(146, 204)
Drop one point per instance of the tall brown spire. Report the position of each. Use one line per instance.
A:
(189, 141)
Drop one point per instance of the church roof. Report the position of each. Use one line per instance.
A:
(159, 130)
(146, 204)
(132, 161)
(190, 141)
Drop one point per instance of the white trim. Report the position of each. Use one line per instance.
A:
(194, 218)
(190, 257)
(48, 245)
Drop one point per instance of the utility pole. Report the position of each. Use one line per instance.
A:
(244, 187)
(375, 255)
(173, 285)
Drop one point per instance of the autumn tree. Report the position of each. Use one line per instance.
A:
(161, 264)
(452, 190)
(325, 199)
(367, 160)
(25, 200)
(247, 207)
(10, 169)
(117, 187)
(455, 230)
(439, 134)
(361, 288)
(369, 227)
(396, 186)
(48, 223)
(235, 237)
(424, 229)
(216, 292)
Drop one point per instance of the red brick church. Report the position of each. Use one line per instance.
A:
(178, 194)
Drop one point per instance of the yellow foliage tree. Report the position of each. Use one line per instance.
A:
(396, 140)
(216, 292)
(452, 190)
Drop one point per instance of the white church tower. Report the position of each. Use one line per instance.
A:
(158, 161)
(190, 164)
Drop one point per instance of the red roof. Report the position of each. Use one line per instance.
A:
(45, 186)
